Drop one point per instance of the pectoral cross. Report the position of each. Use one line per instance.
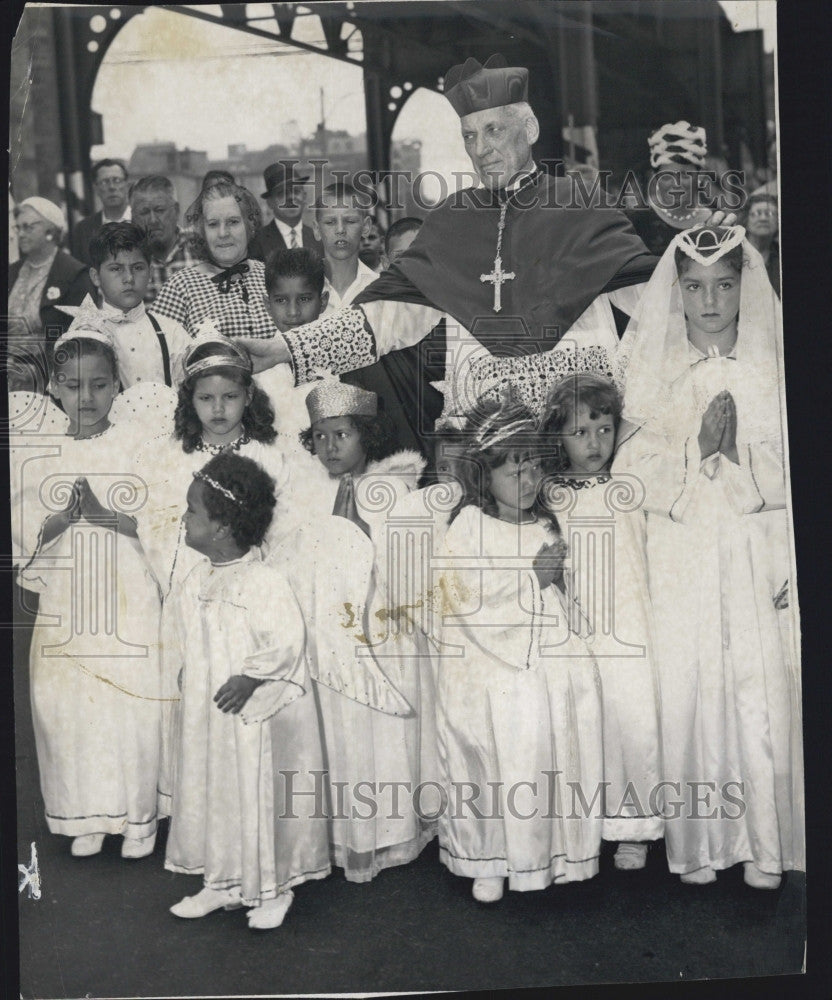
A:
(496, 278)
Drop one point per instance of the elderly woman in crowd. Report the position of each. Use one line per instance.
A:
(43, 279)
(225, 288)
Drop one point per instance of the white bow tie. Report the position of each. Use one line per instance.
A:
(112, 315)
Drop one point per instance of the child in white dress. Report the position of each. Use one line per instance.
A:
(518, 699)
(220, 409)
(701, 363)
(603, 523)
(94, 656)
(371, 710)
(248, 745)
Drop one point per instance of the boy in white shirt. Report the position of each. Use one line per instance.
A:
(341, 220)
(149, 348)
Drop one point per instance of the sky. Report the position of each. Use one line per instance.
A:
(169, 77)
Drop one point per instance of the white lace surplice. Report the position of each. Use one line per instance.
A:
(518, 715)
(241, 817)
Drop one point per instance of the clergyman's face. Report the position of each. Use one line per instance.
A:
(499, 143)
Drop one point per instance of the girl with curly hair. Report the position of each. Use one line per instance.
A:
(247, 738)
(220, 408)
(518, 701)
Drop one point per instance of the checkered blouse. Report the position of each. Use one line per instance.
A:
(190, 296)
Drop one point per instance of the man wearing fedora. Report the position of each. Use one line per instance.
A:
(285, 195)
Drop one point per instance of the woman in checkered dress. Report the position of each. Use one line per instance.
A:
(225, 287)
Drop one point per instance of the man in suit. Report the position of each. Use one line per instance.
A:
(285, 195)
(109, 178)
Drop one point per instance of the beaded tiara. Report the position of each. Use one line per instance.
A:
(706, 246)
(332, 398)
(238, 359)
(216, 486)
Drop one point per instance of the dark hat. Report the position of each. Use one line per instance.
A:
(475, 87)
(278, 175)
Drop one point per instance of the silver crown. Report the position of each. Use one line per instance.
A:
(706, 246)
(332, 398)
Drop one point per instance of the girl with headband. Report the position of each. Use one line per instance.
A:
(220, 408)
(248, 805)
(518, 701)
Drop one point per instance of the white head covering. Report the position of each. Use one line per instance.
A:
(655, 356)
(48, 210)
(678, 143)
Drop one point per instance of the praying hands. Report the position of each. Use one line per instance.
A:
(718, 430)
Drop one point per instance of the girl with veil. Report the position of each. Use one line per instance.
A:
(701, 370)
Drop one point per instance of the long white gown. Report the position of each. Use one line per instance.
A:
(94, 657)
(167, 472)
(376, 714)
(603, 524)
(717, 551)
(518, 715)
(243, 815)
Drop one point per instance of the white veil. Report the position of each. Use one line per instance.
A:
(654, 353)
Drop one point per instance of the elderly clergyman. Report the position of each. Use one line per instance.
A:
(527, 276)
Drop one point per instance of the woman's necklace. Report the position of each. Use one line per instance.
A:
(218, 449)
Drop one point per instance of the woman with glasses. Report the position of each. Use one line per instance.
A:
(40, 282)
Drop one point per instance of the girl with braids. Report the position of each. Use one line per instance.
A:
(247, 748)
(518, 701)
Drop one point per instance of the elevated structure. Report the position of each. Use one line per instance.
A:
(603, 72)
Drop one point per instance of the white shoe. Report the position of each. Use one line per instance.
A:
(630, 856)
(488, 890)
(133, 847)
(86, 846)
(758, 879)
(205, 902)
(271, 913)
(702, 876)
